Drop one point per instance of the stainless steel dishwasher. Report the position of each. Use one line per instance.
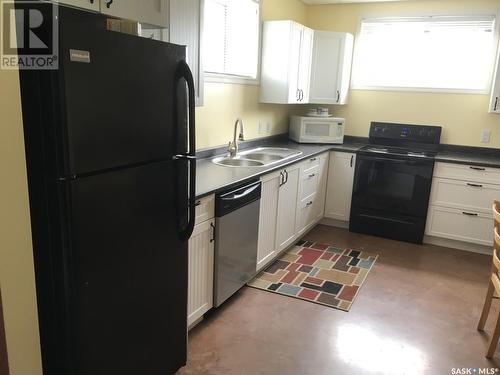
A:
(237, 230)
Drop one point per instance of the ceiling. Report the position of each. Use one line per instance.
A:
(310, 2)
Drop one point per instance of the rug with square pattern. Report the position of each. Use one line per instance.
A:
(317, 272)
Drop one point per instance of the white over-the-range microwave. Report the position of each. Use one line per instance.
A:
(305, 129)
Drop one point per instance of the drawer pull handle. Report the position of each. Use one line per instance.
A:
(474, 185)
(213, 232)
(313, 159)
(309, 203)
(478, 168)
(312, 175)
(197, 203)
(469, 213)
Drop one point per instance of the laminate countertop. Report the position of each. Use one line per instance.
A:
(212, 178)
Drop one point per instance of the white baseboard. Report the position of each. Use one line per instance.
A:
(334, 223)
(445, 242)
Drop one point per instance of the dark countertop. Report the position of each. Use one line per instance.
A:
(469, 156)
(211, 178)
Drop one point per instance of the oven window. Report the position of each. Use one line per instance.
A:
(395, 186)
(317, 129)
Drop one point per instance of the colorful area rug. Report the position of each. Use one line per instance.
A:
(319, 273)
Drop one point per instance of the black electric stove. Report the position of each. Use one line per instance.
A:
(392, 181)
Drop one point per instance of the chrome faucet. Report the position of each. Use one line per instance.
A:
(233, 146)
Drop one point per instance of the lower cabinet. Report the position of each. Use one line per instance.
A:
(287, 207)
(311, 205)
(267, 218)
(340, 181)
(201, 270)
(292, 201)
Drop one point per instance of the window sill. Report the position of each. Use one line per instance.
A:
(421, 90)
(225, 78)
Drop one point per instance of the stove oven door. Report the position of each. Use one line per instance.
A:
(390, 197)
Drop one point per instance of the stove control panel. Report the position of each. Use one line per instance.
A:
(414, 133)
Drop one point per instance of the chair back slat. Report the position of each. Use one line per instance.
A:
(496, 249)
(496, 213)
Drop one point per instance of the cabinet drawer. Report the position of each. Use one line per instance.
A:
(464, 194)
(205, 209)
(312, 162)
(309, 182)
(467, 172)
(306, 214)
(455, 224)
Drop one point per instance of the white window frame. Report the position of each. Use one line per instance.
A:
(235, 79)
(496, 38)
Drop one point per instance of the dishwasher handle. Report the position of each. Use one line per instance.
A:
(232, 200)
(236, 196)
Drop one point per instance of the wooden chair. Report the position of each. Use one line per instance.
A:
(494, 284)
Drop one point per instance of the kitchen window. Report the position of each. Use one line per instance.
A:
(231, 40)
(431, 53)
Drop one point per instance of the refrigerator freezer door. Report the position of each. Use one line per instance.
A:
(128, 270)
(119, 103)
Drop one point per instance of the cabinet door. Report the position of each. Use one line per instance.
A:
(339, 187)
(294, 62)
(200, 270)
(319, 202)
(304, 72)
(151, 12)
(268, 219)
(287, 207)
(186, 28)
(330, 67)
(86, 4)
(495, 90)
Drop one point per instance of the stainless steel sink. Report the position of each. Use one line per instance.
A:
(266, 158)
(257, 157)
(227, 161)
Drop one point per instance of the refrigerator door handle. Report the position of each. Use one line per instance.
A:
(184, 72)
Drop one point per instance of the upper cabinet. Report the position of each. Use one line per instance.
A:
(300, 65)
(286, 62)
(151, 12)
(495, 91)
(186, 27)
(331, 67)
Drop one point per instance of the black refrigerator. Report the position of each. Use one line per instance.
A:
(111, 169)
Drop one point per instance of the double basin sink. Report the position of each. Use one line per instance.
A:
(257, 157)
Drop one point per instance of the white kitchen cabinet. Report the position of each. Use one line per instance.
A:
(85, 4)
(339, 188)
(331, 67)
(495, 89)
(312, 191)
(268, 218)
(460, 225)
(201, 270)
(300, 65)
(287, 207)
(460, 203)
(186, 28)
(151, 12)
(286, 61)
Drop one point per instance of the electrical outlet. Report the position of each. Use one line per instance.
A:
(262, 129)
(485, 136)
(268, 127)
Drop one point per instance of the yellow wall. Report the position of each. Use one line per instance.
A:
(16, 256)
(462, 116)
(223, 103)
